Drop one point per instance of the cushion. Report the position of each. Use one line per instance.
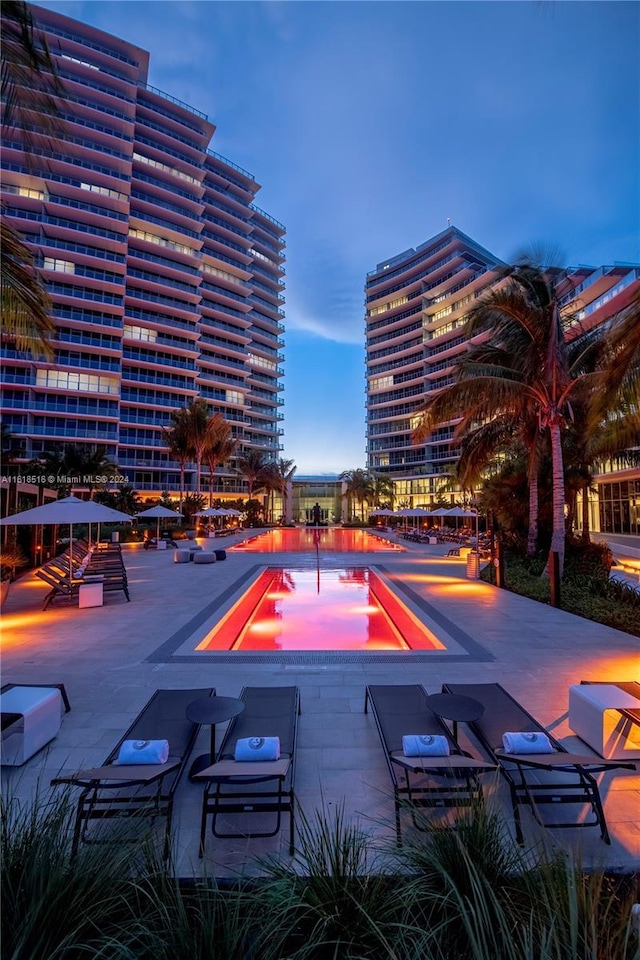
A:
(204, 557)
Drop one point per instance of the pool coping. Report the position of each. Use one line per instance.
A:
(167, 651)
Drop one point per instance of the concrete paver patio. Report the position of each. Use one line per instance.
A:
(112, 658)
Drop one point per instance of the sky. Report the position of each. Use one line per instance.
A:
(369, 124)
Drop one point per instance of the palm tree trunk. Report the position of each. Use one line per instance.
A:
(533, 469)
(557, 478)
(532, 536)
(586, 532)
(181, 487)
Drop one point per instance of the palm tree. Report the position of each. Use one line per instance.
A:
(86, 463)
(30, 81)
(271, 483)
(30, 85)
(178, 440)
(26, 307)
(252, 465)
(280, 473)
(382, 489)
(490, 415)
(531, 368)
(220, 447)
(125, 498)
(525, 317)
(197, 417)
(12, 450)
(359, 486)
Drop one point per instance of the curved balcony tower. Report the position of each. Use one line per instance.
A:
(166, 280)
(415, 305)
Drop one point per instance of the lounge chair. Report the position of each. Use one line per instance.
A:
(112, 790)
(60, 585)
(448, 781)
(245, 788)
(104, 562)
(536, 780)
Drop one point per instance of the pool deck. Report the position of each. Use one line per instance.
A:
(112, 658)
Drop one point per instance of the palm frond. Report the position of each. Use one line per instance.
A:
(26, 307)
(31, 85)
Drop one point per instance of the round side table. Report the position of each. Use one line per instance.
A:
(211, 710)
(454, 707)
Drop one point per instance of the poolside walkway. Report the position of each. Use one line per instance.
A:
(112, 658)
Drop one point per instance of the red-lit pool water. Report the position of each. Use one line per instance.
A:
(317, 609)
(312, 539)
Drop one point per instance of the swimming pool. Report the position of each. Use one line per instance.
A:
(316, 539)
(306, 609)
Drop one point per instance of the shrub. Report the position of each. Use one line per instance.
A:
(595, 597)
(334, 901)
(587, 559)
(54, 908)
(462, 890)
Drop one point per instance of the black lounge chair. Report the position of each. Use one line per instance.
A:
(60, 585)
(106, 563)
(535, 780)
(451, 781)
(145, 790)
(237, 787)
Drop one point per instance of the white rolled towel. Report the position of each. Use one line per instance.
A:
(533, 742)
(257, 748)
(425, 745)
(143, 751)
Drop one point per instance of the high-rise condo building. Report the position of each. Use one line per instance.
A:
(416, 303)
(165, 277)
(415, 311)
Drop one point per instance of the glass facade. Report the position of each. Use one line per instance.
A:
(619, 506)
(327, 493)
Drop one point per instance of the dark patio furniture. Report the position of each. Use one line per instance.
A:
(211, 711)
(536, 780)
(112, 790)
(259, 787)
(427, 781)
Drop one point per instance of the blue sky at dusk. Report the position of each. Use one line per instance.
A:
(368, 124)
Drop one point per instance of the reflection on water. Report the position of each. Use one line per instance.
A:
(316, 539)
(317, 609)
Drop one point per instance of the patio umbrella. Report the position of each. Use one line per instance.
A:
(412, 512)
(459, 512)
(382, 513)
(159, 512)
(69, 510)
